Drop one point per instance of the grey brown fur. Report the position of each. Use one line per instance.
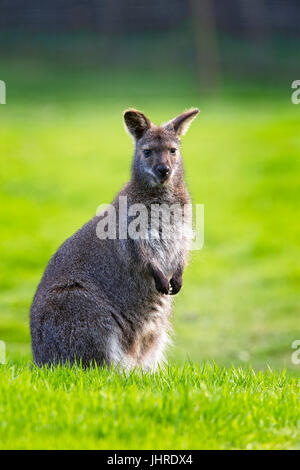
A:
(109, 301)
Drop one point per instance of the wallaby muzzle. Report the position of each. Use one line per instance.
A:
(162, 173)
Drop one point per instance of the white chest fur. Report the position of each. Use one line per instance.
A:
(169, 244)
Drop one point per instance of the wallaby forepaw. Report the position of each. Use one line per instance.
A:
(176, 284)
(162, 285)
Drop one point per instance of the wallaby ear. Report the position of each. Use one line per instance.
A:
(181, 123)
(136, 123)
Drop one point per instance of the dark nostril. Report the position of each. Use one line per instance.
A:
(163, 170)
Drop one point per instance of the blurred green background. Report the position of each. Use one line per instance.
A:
(64, 151)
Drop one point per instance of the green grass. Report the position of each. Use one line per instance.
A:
(183, 408)
(63, 152)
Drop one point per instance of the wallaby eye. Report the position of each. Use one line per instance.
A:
(172, 151)
(147, 153)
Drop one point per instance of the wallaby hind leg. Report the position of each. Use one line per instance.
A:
(68, 327)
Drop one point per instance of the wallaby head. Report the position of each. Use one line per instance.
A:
(157, 159)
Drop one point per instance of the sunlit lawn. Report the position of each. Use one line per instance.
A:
(181, 408)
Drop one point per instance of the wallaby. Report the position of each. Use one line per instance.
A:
(108, 301)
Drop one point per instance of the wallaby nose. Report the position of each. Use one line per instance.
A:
(163, 171)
